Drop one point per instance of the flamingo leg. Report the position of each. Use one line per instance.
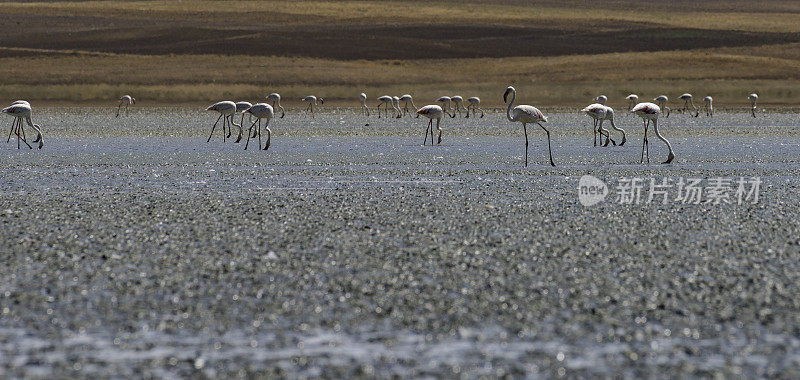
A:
(249, 133)
(282, 111)
(22, 130)
(482, 113)
(549, 150)
(594, 129)
(118, 108)
(13, 128)
(644, 141)
(259, 134)
(213, 127)
(525, 128)
(428, 129)
(439, 141)
(224, 124)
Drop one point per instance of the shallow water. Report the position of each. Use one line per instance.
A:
(347, 250)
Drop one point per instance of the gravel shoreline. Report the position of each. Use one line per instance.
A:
(335, 255)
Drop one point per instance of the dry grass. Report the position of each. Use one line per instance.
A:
(727, 74)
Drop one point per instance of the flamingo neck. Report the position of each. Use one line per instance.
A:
(510, 104)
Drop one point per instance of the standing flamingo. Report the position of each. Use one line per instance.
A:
(396, 107)
(602, 99)
(22, 110)
(276, 98)
(526, 114)
(632, 99)
(753, 98)
(708, 106)
(407, 99)
(312, 101)
(260, 111)
(364, 108)
(600, 113)
(226, 109)
(687, 100)
(128, 100)
(648, 112)
(432, 111)
(662, 100)
(474, 103)
(384, 100)
(459, 103)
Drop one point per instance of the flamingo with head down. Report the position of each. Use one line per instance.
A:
(753, 99)
(632, 99)
(275, 98)
(475, 104)
(432, 111)
(21, 110)
(649, 112)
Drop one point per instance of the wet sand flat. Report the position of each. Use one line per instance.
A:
(134, 248)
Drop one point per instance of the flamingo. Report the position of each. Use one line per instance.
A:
(19, 111)
(648, 112)
(226, 109)
(526, 114)
(407, 99)
(662, 100)
(459, 102)
(708, 106)
(260, 111)
(312, 101)
(753, 98)
(17, 127)
(364, 108)
(241, 107)
(474, 103)
(446, 103)
(687, 100)
(384, 101)
(276, 98)
(128, 100)
(433, 111)
(602, 99)
(396, 107)
(633, 99)
(600, 113)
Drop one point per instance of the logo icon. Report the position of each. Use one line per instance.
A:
(591, 190)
